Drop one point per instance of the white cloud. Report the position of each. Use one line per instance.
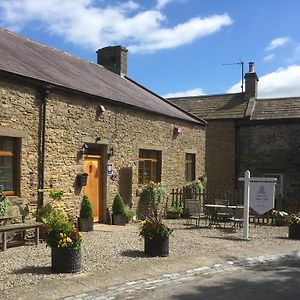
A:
(278, 42)
(162, 3)
(269, 57)
(192, 92)
(284, 82)
(83, 23)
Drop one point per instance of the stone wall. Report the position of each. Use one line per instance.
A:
(72, 120)
(220, 154)
(269, 149)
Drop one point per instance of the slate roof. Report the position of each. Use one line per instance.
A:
(25, 57)
(278, 108)
(225, 106)
(233, 106)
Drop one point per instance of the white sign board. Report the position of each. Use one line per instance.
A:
(262, 196)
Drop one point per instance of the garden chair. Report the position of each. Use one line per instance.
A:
(223, 213)
(195, 212)
(238, 218)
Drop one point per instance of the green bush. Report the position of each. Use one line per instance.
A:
(118, 206)
(42, 212)
(130, 214)
(86, 210)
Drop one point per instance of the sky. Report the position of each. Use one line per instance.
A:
(175, 47)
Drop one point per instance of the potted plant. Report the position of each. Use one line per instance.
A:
(151, 197)
(4, 202)
(43, 211)
(130, 215)
(294, 226)
(118, 209)
(156, 236)
(174, 212)
(85, 220)
(65, 242)
(279, 217)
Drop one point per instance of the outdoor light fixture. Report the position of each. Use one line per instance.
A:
(111, 152)
(98, 139)
(84, 148)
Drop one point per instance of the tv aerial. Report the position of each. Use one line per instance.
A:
(241, 64)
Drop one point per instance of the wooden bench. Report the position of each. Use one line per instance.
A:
(12, 213)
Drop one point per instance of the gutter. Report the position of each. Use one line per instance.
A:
(45, 91)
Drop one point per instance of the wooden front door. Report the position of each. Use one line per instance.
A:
(92, 166)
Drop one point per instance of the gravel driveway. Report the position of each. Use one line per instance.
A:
(120, 248)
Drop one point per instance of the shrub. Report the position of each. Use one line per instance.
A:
(86, 210)
(56, 194)
(118, 206)
(152, 195)
(152, 227)
(4, 202)
(63, 233)
(130, 214)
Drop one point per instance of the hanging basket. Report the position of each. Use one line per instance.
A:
(157, 246)
(65, 260)
(294, 231)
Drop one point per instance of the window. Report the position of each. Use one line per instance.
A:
(8, 158)
(190, 167)
(279, 183)
(149, 166)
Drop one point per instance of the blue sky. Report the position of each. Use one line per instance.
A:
(176, 47)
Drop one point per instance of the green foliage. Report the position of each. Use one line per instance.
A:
(42, 212)
(174, 209)
(86, 210)
(63, 233)
(130, 214)
(56, 194)
(4, 202)
(118, 206)
(195, 186)
(153, 227)
(152, 195)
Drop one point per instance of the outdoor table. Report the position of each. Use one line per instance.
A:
(213, 208)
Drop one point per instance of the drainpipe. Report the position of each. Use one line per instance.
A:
(237, 152)
(45, 91)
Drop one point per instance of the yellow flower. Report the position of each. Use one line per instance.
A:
(61, 234)
(69, 240)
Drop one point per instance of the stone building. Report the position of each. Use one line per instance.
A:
(63, 117)
(244, 132)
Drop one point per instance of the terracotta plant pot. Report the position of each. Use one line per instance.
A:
(65, 260)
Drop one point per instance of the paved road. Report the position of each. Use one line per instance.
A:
(275, 280)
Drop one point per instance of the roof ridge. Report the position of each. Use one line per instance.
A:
(280, 98)
(204, 96)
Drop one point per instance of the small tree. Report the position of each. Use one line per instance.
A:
(118, 206)
(86, 210)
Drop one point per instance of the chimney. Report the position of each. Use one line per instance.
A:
(113, 58)
(251, 81)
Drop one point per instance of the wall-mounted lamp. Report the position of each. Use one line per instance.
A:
(176, 130)
(98, 139)
(84, 148)
(111, 152)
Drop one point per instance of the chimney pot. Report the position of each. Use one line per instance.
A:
(251, 67)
